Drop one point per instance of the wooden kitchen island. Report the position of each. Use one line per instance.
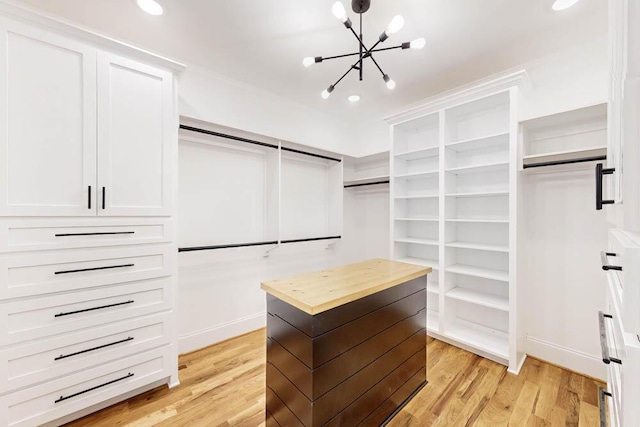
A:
(345, 346)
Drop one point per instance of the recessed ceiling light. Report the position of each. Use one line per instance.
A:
(354, 98)
(152, 7)
(563, 4)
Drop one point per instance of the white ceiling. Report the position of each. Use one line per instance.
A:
(262, 42)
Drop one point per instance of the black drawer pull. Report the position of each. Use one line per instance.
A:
(104, 192)
(602, 406)
(64, 356)
(94, 269)
(605, 265)
(89, 199)
(110, 233)
(62, 398)
(600, 172)
(94, 308)
(603, 340)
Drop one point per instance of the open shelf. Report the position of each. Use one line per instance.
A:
(494, 140)
(482, 194)
(485, 339)
(418, 219)
(419, 154)
(493, 167)
(565, 156)
(433, 321)
(417, 175)
(479, 298)
(363, 181)
(421, 261)
(478, 246)
(486, 273)
(424, 196)
(416, 241)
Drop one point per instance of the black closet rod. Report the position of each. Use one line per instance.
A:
(368, 183)
(313, 239)
(224, 135)
(320, 156)
(238, 245)
(565, 162)
(251, 141)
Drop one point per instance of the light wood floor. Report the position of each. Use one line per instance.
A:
(223, 385)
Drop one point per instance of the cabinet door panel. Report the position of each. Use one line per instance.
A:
(47, 124)
(135, 130)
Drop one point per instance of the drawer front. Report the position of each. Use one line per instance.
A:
(57, 314)
(32, 234)
(29, 364)
(57, 271)
(52, 400)
(627, 252)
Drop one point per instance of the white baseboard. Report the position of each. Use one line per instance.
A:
(567, 358)
(221, 332)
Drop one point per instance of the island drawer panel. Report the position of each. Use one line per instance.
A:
(321, 323)
(278, 413)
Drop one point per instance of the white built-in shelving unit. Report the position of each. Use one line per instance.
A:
(454, 165)
(368, 173)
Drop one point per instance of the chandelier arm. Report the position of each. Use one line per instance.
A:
(359, 40)
(353, 67)
(339, 56)
(376, 62)
(387, 48)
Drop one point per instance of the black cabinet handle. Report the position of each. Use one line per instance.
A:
(602, 404)
(109, 233)
(64, 356)
(600, 172)
(603, 340)
(69, 313)
(62, 398)
(104, 192)
(94, 269)
(605, 262)
(89, 199)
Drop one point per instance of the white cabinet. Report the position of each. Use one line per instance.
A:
(135, 128)
(47, 124)
(85, 132)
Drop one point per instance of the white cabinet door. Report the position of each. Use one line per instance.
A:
(47, 124)
(137, 137)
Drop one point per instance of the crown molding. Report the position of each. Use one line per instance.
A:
(466, 93)
(13, 10)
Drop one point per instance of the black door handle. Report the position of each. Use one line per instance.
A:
(600, 172)
(104, 191)
(108, 267)
(605, 262)
(89, 199)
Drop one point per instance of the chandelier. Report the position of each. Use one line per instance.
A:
(360, 7)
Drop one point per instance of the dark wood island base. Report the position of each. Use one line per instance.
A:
(355, 364)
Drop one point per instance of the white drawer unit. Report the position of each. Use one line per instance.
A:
(58, 271)
(31, 234)
(32, 319)
(44, 360)
(620, 347)
(622, 264)
(54, 399)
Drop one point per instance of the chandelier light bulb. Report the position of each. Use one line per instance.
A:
(327, 92)
(152, 7)
(391, 84)
(563, 4)
(396, 24)
(418, 43)
(339, 12)
(308, 61)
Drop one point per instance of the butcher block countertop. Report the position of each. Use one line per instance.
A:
(323, 290)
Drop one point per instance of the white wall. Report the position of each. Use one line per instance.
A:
(561, 283)
(215, 99)
(219, 292)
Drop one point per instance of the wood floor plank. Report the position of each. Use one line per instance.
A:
(224, 385)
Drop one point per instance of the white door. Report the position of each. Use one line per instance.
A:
(137, 137)
(47, 124)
